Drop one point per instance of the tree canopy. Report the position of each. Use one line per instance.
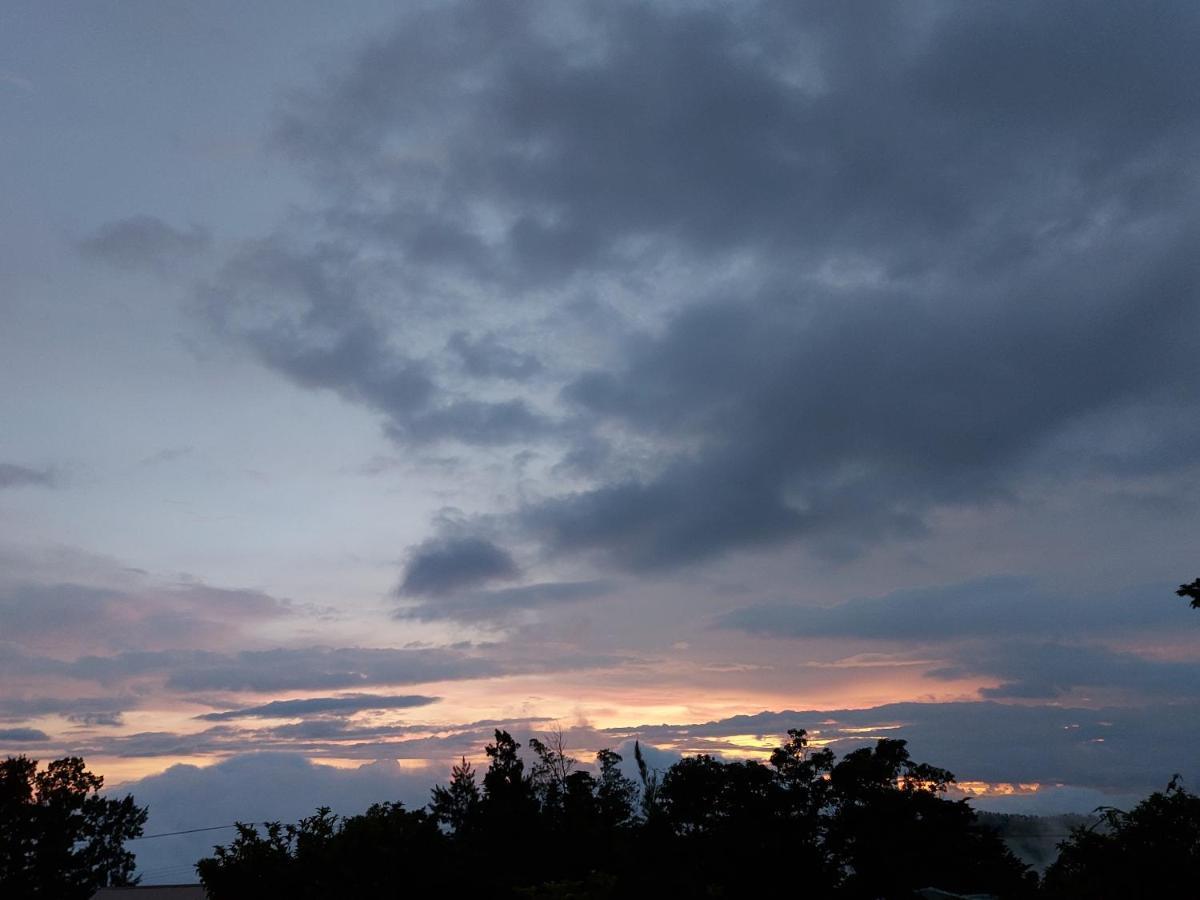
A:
(873, 824)
(60, 838)
(1191, 590)
(1157, 842)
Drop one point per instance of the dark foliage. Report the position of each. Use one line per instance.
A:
(1191, 590)
(385, 852)
(59, 838)
(872, 825)
(1155, 844)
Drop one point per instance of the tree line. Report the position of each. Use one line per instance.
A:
(874, 824)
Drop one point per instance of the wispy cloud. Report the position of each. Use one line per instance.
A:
(345, 704)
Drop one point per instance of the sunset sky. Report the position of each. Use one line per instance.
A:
(373, 375)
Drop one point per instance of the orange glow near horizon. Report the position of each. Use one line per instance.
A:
(997, 788)
(671, 691)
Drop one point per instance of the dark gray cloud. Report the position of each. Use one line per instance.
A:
(85, 710)
(317, 668)
(13, 475)
(486, 357)
(961, 246)
(294, 668)
(300, 313)
(144, 242)
(852, 423)
(477, 422)
(267, 671)
(997, 607)
(473, 606)
(346, 704)
(303, 313)
(1043, 670)
(23, 735)
(443, 565)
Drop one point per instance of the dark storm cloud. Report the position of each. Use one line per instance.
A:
(989, 607)
(799, 127)
(344, 705)
(443, 565)
(12, 475)
(848, 423)
(961, 245)
(474, 606)
(143, 242)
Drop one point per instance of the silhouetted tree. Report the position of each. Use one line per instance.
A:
(803, 776)
(551, 769)
(59, 837)
(1155, 844)
(890, 831)
(457, 806)
(509, 818)
(508, 793)
(615, 794)
(1191, 590)
(649, 778)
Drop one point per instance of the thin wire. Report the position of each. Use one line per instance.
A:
(146, 837)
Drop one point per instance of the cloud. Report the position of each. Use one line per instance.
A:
(850, 297)
(86, 710)
(23, 735)
(144, 242)
(12, 475)
(166, 455)
(486, 357)
(265, 671)
(1131, 749)
(302, 313)
(1043, 670)
(140, 615)
(255, 788)
(988, 607)
(474, 606)
(442, 565)
(343, 705)
(1127, 750)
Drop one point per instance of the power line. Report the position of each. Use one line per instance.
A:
(146, 837)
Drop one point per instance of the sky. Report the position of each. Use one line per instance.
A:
(378, 375)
